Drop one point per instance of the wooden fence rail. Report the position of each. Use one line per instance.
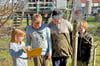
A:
(94, 54)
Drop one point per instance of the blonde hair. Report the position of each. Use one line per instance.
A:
(37, 18)
(84, 24)
(17, 32)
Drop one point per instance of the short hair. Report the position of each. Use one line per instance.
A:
(17, 32)
(84, 24)
(57, 14)
(37, 18)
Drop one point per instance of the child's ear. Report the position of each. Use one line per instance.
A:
(15, 36)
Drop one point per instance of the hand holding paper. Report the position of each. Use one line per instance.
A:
(34, 52)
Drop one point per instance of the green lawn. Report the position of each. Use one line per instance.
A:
(5, 58)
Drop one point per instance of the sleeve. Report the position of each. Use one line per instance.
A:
(91, 51)
(90, 40)
(28, 37)
(70, 27)
(15, 53)
(49, 41)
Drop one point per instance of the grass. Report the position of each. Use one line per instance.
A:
(6, 60)
(94, 29)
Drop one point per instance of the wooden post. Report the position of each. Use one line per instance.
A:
(94, 56)
(74, 35)
(27, 19)
(74, 43)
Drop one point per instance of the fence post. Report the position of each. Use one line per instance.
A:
(94, 56)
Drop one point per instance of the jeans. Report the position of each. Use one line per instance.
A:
(59, 61)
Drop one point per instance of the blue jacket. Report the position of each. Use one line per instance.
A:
(39, 38)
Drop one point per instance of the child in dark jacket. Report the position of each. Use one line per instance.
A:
(85, 42)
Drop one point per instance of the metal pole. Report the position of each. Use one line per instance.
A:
(37, 7)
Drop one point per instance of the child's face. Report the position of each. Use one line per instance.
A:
(19, 38)
(81, 29)
(37, 25)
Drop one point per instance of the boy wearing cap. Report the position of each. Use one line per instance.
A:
(60, 34)
(85, 43)
(39, 35)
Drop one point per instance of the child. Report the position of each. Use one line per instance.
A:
(17, 48)
(85, 42)
(39, 35)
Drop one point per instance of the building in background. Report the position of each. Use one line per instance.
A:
(95, 6)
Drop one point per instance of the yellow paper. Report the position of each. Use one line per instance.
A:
(34, 52)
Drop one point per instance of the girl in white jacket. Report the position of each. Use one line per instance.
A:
(17, 48)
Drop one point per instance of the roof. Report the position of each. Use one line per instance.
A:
(94, 1)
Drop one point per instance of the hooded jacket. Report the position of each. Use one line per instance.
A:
(60, 34)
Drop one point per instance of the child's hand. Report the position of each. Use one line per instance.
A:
(25, 48)
(28, 48)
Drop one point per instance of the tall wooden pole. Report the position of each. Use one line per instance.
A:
(74, 43)
(94, 54)
(74, 35)
(27, 19)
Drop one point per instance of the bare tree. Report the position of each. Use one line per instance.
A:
(8, 7)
